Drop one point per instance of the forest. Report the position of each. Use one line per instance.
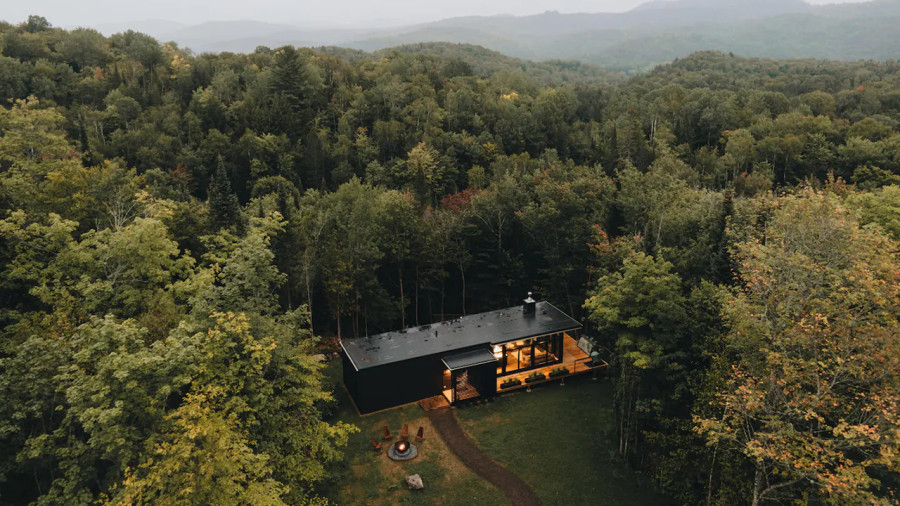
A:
(183, 237)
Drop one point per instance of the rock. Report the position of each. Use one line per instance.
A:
(415, 482)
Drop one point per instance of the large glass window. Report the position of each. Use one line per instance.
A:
(542, 353)
(528, 353)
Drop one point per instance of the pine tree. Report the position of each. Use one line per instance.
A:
(296, 93)
(224, 208)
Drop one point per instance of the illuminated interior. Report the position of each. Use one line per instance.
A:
(527, 354)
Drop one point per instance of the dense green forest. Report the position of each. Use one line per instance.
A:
(183, 235)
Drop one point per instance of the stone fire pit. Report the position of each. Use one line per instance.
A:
(402, 450)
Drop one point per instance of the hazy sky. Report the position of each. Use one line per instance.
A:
(69, 13)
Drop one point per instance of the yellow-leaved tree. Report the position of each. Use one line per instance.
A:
(814, 357)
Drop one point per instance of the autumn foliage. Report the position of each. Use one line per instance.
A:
(812, 397)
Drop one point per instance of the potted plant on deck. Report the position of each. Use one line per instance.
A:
(559, 371)
(535, 376)
(512, 382)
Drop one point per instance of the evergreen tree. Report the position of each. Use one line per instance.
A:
(294, 86)
(224, 208)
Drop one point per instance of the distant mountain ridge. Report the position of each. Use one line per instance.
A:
(653, 33)
(760, 8)
(661, 31)
(149, 26)
(660, 13)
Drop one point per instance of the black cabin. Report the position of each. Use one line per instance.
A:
(460, 359)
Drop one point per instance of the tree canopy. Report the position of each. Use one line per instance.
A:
(179, 230)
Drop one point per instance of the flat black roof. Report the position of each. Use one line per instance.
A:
(469, 359)
(494, 327)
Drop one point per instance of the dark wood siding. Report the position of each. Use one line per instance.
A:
(394, 384)
(399, 383)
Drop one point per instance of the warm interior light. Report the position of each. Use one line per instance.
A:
(401, 447)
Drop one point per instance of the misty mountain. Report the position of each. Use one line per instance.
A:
(653, 33)
(782, 37)
(237, 36)
(659, 13)
(743, 8)
(148, 26)
(663, 30)
(242, 36)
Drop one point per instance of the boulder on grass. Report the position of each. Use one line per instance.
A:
(415, 482)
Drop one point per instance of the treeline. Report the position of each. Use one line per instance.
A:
(176, 227)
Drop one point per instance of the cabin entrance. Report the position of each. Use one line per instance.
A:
(470, 375)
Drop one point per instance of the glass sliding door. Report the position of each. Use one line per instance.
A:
(541, 351)
(511, 358)
(527, 354)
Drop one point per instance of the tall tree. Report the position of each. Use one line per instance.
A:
(203, 458)
(224, 208)
(640, 309)
(811, 399)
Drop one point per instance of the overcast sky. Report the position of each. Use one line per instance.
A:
(69, 13)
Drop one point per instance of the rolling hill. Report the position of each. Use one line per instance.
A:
(655, 32)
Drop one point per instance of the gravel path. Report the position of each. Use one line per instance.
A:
(446, 424)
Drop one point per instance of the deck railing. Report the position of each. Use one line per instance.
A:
(587, 363)
(577, 366)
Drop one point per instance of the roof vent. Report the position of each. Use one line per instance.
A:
(529, 305)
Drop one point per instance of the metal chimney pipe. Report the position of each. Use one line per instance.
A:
(529, 305)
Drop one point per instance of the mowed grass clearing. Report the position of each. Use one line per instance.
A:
(562, 441)
(366, 477)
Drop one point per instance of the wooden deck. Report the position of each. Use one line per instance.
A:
(468, 393)
(574, 359)
(436, 402)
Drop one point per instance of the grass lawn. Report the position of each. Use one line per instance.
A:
(373, 479)
(562, 441)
